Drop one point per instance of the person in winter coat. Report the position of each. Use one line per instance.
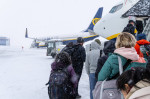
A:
(63, 61)
(68, 48)
(125, 50)
(130, 28)
(78, 59)
(135, 83)
(91, 64)
(109, 47)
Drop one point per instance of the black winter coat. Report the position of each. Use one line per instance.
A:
(109, 47)
(100, 64)
(78, 58)
(129, 28)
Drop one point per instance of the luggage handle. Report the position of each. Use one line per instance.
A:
(120, 65)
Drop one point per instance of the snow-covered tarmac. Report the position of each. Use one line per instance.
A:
(23, 74)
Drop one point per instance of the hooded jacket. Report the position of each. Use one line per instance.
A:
(142, 91)
(111, 66)
(92, 58)
(69, 70)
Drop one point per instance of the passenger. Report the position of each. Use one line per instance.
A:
(62, 66)
(78, 59)
(135, 83)
(130, 28)
(68, 48)
(91, 64)
(109, 47)
(125, 49)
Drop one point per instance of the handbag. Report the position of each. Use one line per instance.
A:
(108, 89)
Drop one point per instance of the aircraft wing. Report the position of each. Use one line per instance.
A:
(140, 9)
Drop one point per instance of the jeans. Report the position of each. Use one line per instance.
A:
(92, 81)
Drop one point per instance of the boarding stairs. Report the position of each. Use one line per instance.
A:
(146, 30)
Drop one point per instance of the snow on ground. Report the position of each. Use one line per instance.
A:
(23, 74)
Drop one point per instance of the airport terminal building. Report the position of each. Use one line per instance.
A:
(4, 41)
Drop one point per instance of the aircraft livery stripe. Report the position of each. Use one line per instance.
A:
(83, 37)
(112, 36)
(115, 35)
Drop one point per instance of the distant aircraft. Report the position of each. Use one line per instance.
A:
(112, 24)
(88, 34)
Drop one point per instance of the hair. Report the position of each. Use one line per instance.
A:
(126, 40)
(80, 40)
(64, 58)
(131, 21)
(132, 76)
(109, 47)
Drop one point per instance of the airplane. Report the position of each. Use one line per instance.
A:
(112, 24)
(88, 34)
(37, 42)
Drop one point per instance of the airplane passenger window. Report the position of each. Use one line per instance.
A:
(116, 8)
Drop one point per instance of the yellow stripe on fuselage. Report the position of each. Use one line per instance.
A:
(83, 37)
(115, 35)
(112, 36)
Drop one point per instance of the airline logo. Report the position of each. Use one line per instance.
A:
(95, 20)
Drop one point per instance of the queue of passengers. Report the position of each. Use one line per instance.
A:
(121, 64)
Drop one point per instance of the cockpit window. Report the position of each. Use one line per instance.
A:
(116, 8)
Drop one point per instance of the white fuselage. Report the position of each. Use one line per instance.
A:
(113, 23)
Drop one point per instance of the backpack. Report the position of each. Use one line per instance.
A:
(73, 52)
(145, 49)
(68, 50)
(76, 55)
(58, 85)
(129, 29)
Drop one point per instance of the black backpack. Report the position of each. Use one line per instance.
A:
(59, 87)
(76, 55)
(68, 50)
(73, 52)
(129, 29)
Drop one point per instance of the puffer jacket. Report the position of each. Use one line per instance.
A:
(92, 58)
(142, 92)
(111, 66)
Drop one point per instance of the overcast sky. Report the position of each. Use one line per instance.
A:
(47, 17)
